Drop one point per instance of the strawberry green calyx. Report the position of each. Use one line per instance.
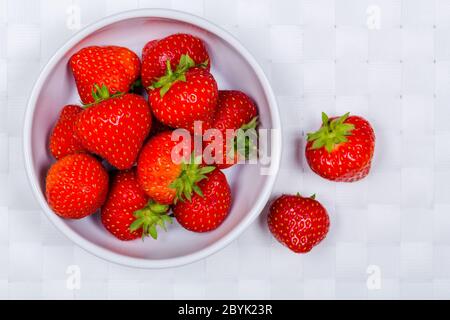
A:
(191, 173)
(204, 64)
(332, 132)
(246, 136)
(101, 94)
(250, 125)
(148, 218)
(313, 197)
(166, 81)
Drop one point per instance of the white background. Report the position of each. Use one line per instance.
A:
(320, 55)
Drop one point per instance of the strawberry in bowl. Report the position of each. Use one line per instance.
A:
(128, 213)
(175, 72)
(114, 67)
(115, 127)
(157, 53)
(76, 186)
(184, 95)
(236, 113)
(208, 207)
(63, 140)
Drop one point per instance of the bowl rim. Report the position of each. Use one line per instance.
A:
(106, 254)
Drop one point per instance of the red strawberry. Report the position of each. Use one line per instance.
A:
(62, 139)
(185, 95)
(146, 51)
(208, 209)
(163, 179)
(127, 213)
(115, 128)
(156, 170)
(342, 149)
(156, 53)
(115, 67)
(298, 223)
(76, 186)
(235, 110)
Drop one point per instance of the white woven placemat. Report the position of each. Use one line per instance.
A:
(388, 60)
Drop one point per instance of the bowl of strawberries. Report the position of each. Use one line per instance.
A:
(152, 138)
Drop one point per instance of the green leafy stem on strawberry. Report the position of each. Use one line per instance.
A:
(245, 137)
(101, 94)
(166, 81)
(311, 197)
(150, 217)
(191, 173)
(333, 132)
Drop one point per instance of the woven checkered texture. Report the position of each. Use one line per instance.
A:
(387, 60)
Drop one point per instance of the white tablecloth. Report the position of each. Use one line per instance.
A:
(388, 60)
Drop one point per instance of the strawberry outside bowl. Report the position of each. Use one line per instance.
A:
(233, 68)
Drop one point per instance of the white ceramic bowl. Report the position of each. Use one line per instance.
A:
(232, 66)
